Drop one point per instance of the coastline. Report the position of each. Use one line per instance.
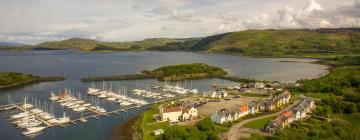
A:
(30, 82)
(126, 130)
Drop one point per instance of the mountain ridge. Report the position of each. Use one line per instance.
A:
(266, 42)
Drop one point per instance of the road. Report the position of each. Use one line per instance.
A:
(234, 132)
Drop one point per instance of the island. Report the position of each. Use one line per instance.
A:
(169, 73)
(9, 80)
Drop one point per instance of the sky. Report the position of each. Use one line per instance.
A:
(36, 21)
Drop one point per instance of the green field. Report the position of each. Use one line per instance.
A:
(259, 123)
(318, 95)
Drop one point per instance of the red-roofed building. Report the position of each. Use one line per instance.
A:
(243, 110)
(171, 114)
(179, 113)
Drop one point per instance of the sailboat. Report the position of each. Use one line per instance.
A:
(92, 90)
(26, 105)
(29, 122)
(33, 130)
(53, 97)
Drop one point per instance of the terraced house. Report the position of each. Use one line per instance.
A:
(224, 116)
(265, 105)
(297, 113)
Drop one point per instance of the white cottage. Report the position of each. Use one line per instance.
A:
(224, 116)
(216, 94)
(189, 112)
(171, 114)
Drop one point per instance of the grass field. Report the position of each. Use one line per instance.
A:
(253, 95)
(258, 123)
(148, 124)
(318, 95)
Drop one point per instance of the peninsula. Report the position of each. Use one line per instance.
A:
(169, 73)
(10, 80)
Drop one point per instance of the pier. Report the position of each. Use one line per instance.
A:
(88, 113)
(13, 108)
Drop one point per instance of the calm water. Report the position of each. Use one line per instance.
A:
(75, 65)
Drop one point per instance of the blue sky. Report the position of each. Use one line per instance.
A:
(35, 21)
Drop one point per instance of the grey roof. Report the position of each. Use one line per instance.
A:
(226, 112)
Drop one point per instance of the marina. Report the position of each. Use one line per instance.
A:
(31, 119)
(17, 110)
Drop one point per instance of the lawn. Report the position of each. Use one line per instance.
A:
(148, 124)
(253, 95)
(258, 123)
(318, 95)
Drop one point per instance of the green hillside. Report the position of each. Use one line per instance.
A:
(282, 42)
(288, 42)
(92, 45)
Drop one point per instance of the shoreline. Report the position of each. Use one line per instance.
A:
(31, 82)
(125, 130)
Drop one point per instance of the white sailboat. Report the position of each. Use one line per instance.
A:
(26, 105)
(53, 97)
(33, 130)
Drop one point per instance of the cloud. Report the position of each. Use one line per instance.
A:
(168, 13)
(136, 6)
(122, 20)
(313, 15)
(167, 28)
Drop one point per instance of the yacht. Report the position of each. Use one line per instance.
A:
(79, 109)
(33, 130)
(194, 91)
(92, 91)
(36, 111)
(26, 105)
(62, 120)
(47, 116)
(102, 96)
(80, 102)
(53, 97)
(111, 99)
(20, 115)
(74, 106)
(86, 105)
(29, 122)
(100, 109)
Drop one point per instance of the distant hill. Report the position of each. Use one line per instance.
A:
(92, 45)
(15, 44)
(282, 42)
(270, 42)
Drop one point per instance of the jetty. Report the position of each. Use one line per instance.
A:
(14, 108)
